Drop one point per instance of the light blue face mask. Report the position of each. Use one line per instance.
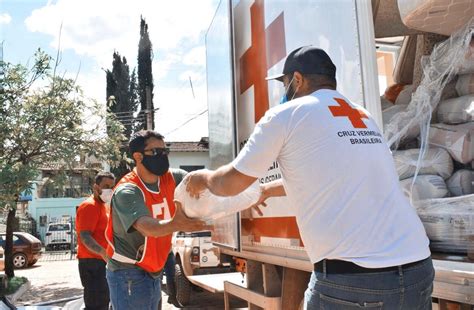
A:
(284, 98)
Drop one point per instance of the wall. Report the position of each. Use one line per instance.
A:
(53, 208)
(178, 159)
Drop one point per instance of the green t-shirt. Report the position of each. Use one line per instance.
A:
(128, 205)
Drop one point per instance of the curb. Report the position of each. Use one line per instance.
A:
(22, 290)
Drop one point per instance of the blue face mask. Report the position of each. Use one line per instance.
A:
(284, 98)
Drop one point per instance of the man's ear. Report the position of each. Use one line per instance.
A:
(298, 79)
(96, 189)
(138, 157)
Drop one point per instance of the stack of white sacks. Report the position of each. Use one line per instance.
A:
(443, 190)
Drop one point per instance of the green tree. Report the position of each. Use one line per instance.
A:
(42, 121)
(123, 102)
(145, 75)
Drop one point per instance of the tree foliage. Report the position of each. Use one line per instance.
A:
(123, 102)
(145, 75)
(42, 120)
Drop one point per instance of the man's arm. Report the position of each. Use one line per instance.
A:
(225, 181)
(267, 190)
(151, 227)
(92, 245)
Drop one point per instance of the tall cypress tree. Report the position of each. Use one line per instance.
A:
(122, 87)
(145, 75)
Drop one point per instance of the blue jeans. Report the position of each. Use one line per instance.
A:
(405, 288)
(132, 289)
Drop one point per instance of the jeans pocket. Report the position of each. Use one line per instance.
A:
(332, 303)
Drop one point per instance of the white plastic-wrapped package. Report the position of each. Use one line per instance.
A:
(465, 84)
(425, 187)
(467, 66)
(460, 183)
(436, 161)
(404, 97)
(456, 139)
(449, 222)
(384, 103)
(211, 207)
(390, 112)
(436, 16)
(456, 110)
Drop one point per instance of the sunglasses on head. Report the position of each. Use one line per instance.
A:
(158, 151)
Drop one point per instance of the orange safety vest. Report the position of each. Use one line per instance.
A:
(161, 206)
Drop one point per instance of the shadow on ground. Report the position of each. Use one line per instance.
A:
(45, 293)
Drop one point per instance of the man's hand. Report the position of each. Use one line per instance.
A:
(183, 223)
(196, 182)
(260, 202)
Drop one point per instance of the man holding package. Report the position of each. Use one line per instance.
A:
(367, 244)
(142, 219)
(91, 221)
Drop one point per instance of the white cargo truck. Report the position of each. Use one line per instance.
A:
(249, 40)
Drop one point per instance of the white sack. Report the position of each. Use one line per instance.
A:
(436, 16)
(456, 139)
(404, 97)
(425, 187)
(467, 66)
(385, 103)
(448, 222)
(460, 183)
(211, 207)
(456, 110)
(465, 84)
(436, 161)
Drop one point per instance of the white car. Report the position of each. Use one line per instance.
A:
(59, 236)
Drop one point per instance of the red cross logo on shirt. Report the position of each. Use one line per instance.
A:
(256, 60)
(344, 109)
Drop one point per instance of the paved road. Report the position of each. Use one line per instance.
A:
(54, 280)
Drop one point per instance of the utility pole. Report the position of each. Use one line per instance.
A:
(149, 110)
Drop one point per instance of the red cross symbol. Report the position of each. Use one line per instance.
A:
(354, 115)
(268, 48)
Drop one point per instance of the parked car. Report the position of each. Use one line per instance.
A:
(2, 258)
(59, 236)
(26, 249)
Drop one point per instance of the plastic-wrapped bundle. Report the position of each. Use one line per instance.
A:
(211, 207)
(449, 222)
(467, 66)
(436, 161)
(460, 183)
(439, 69)
(456, 139)
(456, 110)
(465, 84)
(425, 187)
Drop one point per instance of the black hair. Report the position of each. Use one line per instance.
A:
(103, 174)
(138, 140)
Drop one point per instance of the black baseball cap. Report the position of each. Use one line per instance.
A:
(307, 60)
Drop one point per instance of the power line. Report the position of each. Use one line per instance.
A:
(192, 118)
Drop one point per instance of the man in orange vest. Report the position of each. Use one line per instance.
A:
(91, 221)
(142, 219)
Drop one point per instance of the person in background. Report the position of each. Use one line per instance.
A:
(91, 221)
(142, 219)
(367, 245)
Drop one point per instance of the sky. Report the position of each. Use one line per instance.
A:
(92, 30)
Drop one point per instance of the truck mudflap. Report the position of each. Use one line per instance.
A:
(214, 283)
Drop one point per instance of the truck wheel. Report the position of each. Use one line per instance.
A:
(183, 286)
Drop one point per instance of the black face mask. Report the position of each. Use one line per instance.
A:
(156, 164)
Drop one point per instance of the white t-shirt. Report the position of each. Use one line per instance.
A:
(339, 176)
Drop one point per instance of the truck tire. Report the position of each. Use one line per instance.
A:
(183, 286)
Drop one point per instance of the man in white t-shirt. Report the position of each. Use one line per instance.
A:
(367, 244)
